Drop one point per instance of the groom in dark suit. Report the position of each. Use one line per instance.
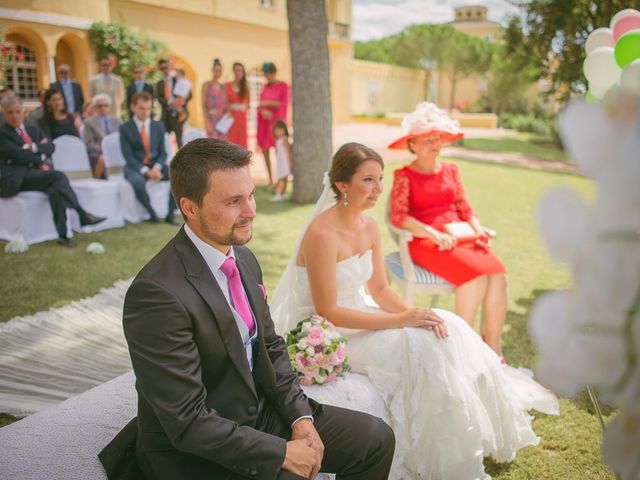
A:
(217, 397)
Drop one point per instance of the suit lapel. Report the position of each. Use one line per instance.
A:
(200, 277)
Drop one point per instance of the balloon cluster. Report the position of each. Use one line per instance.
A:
(613, 56)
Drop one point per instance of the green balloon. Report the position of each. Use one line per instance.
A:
(590, 97)
(627, 48)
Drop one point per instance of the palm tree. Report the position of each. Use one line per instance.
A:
(312, 121)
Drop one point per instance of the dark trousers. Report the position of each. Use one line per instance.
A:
(172, 124)
(138, 182)
(358, 446)
(56, 185)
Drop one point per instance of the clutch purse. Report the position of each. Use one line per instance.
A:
(224, 124)
(462, 231)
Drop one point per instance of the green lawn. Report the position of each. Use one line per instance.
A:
(504, 198)
(528, 144)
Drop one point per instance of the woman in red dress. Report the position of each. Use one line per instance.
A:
(427, 195)
(238, 98)
(274, 102)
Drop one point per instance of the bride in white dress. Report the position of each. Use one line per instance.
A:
(449, 399)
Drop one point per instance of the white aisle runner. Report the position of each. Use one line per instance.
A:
(50, 356)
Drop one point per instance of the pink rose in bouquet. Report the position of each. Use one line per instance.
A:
(317, 351)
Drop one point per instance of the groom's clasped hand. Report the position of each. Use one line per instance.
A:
(304, 451)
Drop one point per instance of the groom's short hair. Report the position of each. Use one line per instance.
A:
(190, 169)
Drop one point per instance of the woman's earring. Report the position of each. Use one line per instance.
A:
(345, 202)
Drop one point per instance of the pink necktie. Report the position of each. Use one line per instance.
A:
(25, 136)
(238, 299)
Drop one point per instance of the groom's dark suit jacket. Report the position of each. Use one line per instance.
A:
(198, 400)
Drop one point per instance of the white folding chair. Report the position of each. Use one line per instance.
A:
(410, 277)
(99, 197)
(192, 134)
(27, 217)
(133, 210)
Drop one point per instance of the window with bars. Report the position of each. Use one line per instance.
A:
(22, 73)
(267, 3)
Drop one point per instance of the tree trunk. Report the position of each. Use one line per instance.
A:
(312, 121)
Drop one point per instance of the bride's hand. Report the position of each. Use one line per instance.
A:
(424, 318)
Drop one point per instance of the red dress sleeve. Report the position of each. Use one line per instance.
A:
(399, 202)
(465, 212)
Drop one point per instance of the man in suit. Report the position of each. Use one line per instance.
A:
(171, 118)
(109, 83)
(217, 396)
(96, 127)
(24, 152)
(142, 145)
(71, 91)
(139, 84)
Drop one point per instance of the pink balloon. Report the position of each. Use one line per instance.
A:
(625, 25)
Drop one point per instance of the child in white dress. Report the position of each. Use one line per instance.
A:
(283, 159)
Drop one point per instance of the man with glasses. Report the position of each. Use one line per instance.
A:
(139, 84)
(71, 90)
(109, 83)
(96, 127)
(171, 105)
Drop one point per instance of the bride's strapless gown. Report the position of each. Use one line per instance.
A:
(450, 402)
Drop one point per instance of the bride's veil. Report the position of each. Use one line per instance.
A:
(283, 301)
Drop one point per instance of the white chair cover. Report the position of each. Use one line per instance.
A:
(99, 197)
(27, 217)
(168, 146)
(192, 135)
(158, 192)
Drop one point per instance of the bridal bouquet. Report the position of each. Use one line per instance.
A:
(317, 351)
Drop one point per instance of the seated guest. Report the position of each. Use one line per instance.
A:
(88, 109)
(429, 200)
(139, 84)
(23, 167)
(34, 117)
(96, 128)
(70, 89)
(142, 145)
(56, 121)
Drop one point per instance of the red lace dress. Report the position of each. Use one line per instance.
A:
(437, 199)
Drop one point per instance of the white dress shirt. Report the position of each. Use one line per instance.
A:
(214, 259)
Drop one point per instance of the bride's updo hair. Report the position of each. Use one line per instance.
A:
(347, 160)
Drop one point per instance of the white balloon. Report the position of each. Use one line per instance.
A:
(601, 67)
(598, 90)
(601, 37)
(630, 78)
(627, 12)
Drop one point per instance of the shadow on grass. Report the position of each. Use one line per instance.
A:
(6, 419)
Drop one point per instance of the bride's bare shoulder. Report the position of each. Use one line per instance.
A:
(320, 230)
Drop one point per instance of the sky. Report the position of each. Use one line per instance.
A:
(379, 18)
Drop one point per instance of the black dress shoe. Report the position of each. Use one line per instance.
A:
(153, 219)
(171, 218)
(88, 219)
(66, 242)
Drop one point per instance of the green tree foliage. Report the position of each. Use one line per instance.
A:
(127, 47)
(509, 80)
(551, 35)
(425, 45)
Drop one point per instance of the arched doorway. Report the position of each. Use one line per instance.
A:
(27, 70)
(74, 51)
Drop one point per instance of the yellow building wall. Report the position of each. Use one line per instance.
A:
(94, 10)
(381, 88)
